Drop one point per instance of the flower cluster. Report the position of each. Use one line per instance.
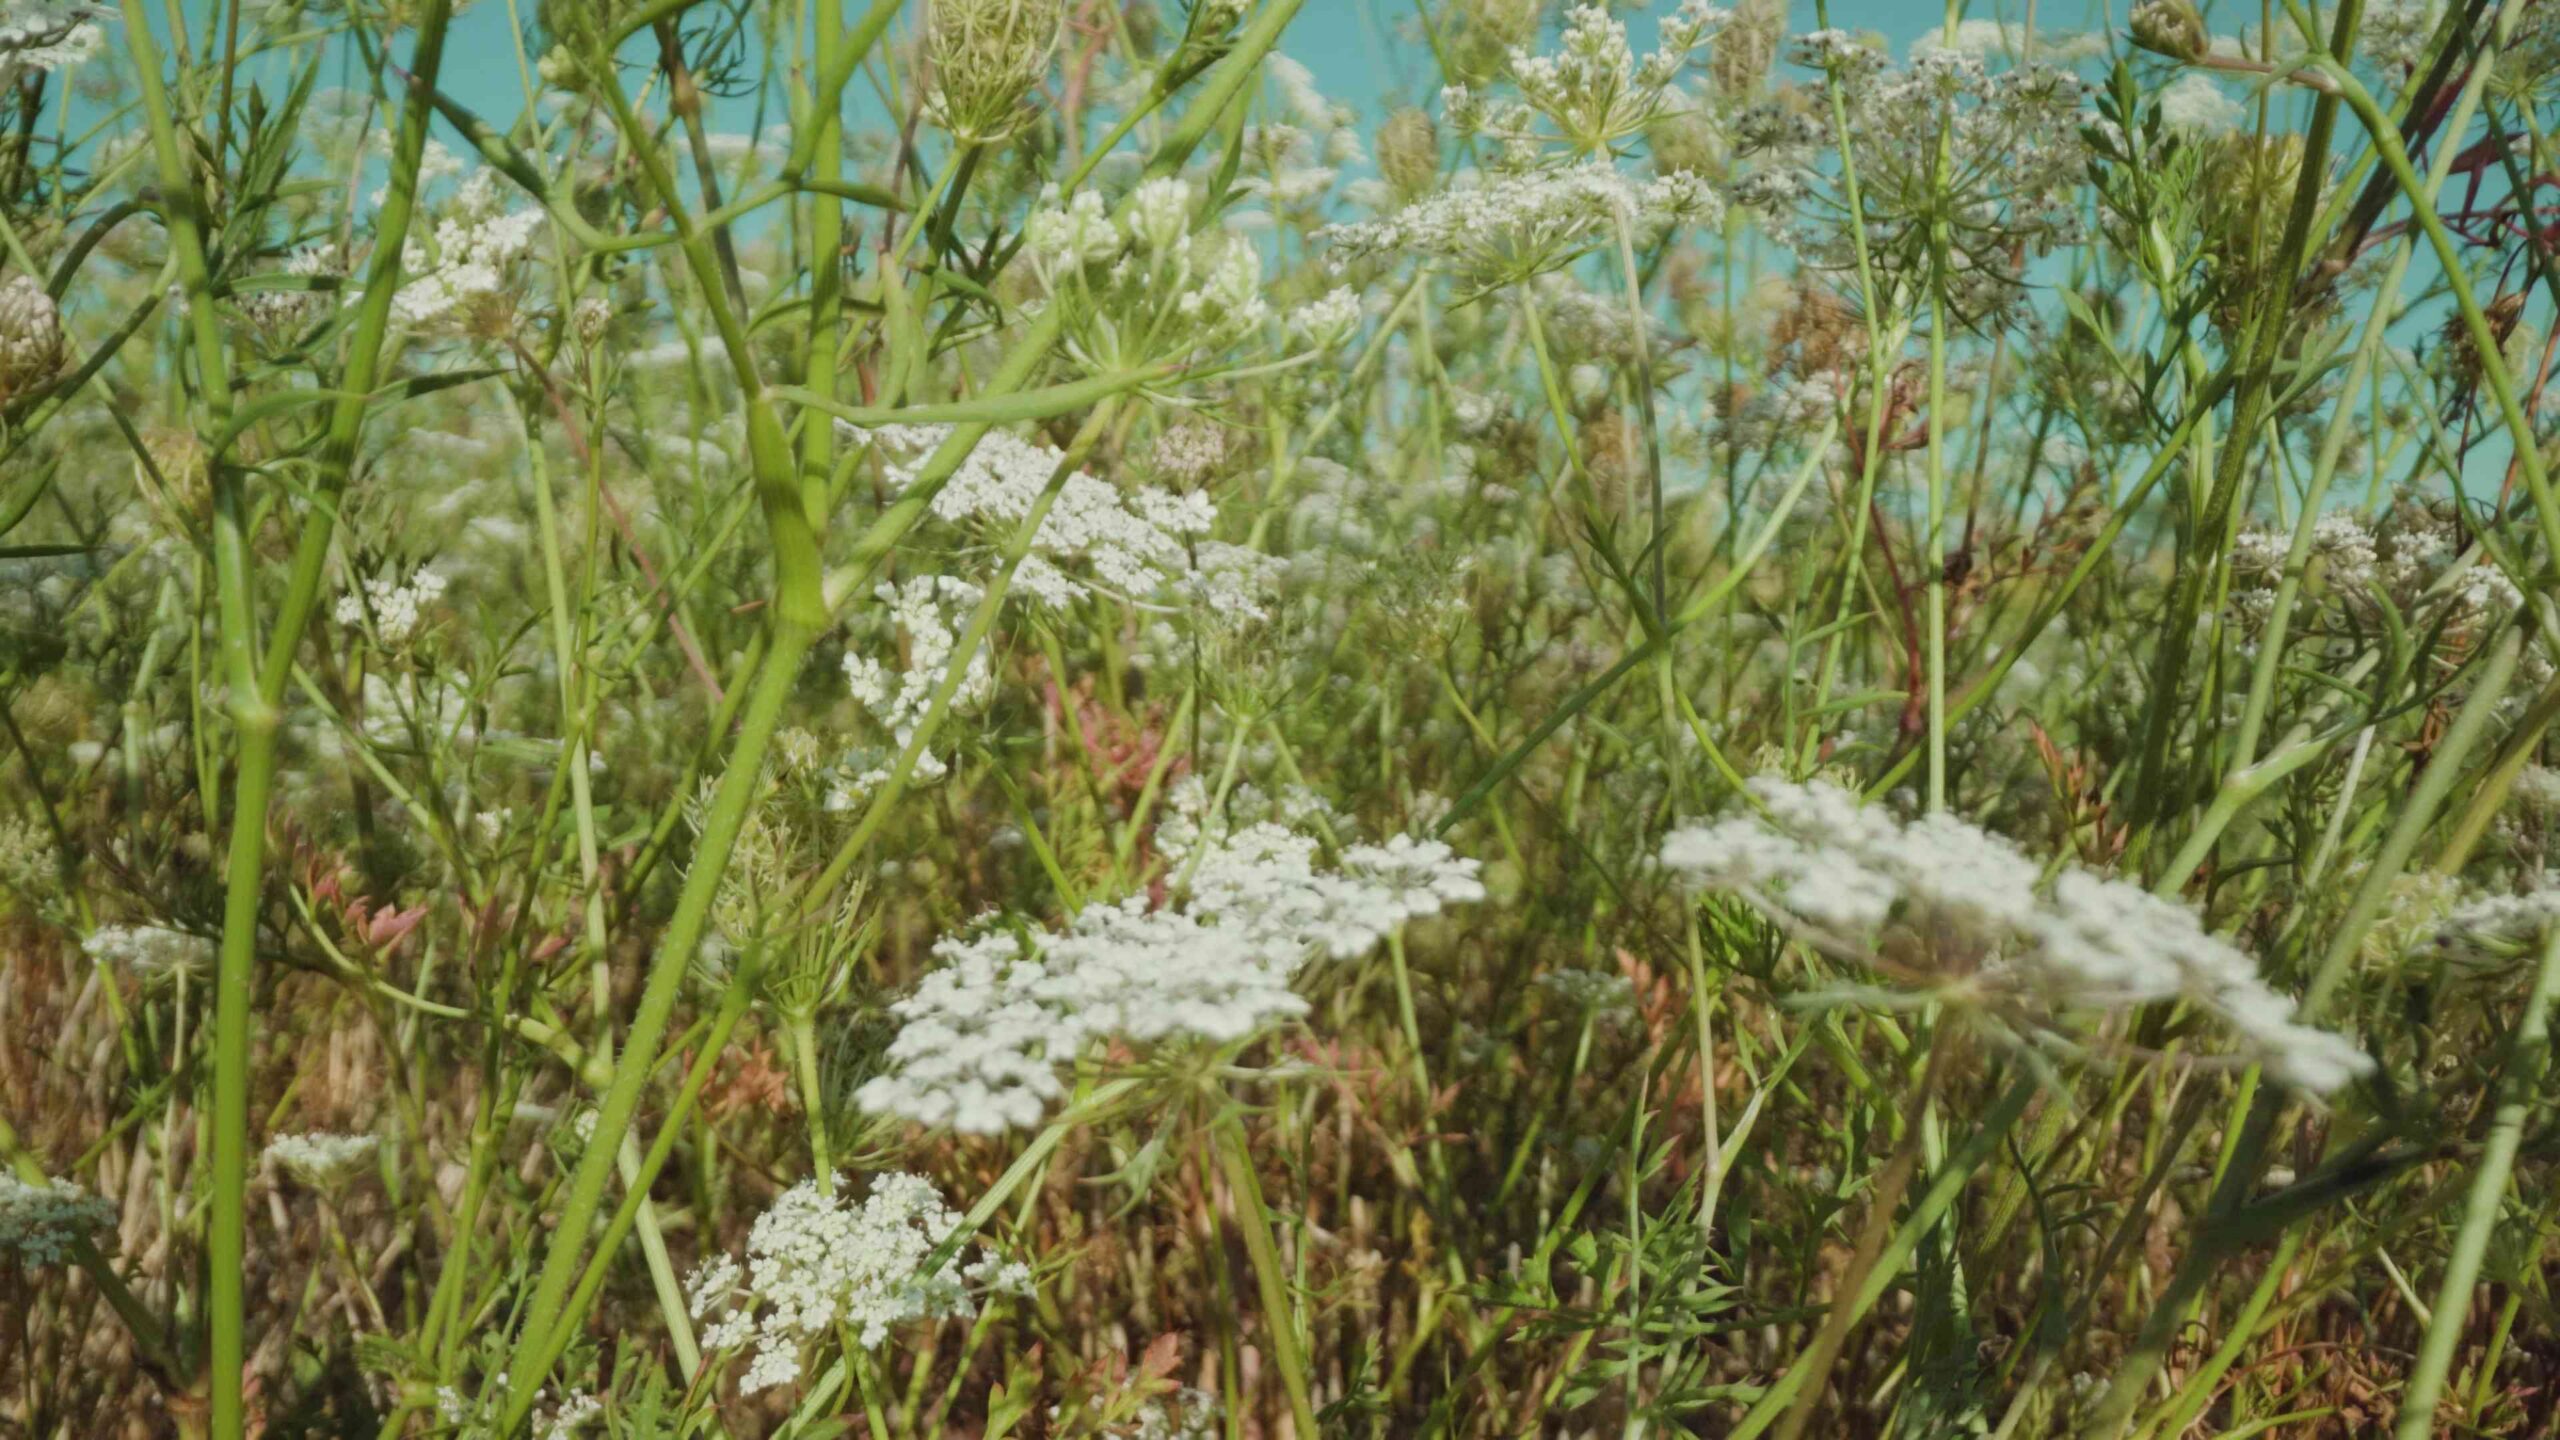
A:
(150, 952)
(817, 1264)
(1961, 908)
(473, 1419)
(986, 55)
(2007, 185)
(1131, 543)
(322, 1160)
(467, 262)
(46, 35)
(984, 1036)
(1594, 90)
(1145, 287)
(283, 314)
(928, 610)
(396, 605)
(39, 1223)
(1509, 227)
(2499, 927)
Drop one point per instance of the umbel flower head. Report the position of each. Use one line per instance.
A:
(818, 1265)
(30, 337)
(321, 1160)
(1507, 228)
(39, 1223)
(1957, 909)
(986, 56)
(983, 1037)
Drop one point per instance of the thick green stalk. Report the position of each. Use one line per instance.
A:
(254, 698)
(2452, 1309)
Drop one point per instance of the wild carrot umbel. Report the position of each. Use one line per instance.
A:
(1183, 718)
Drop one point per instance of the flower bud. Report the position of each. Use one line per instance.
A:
(1409, 152)
(2172, 27)
(30, 337)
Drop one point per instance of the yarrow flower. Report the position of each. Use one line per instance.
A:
(816, 1264)
(1860, 883)
(984, 1036)
(39, 1223)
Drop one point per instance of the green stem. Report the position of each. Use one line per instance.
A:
(1279, 1314)
(2452, 1307)
(548, 1315)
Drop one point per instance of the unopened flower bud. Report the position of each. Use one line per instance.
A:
(1409, 152)
(30, 337)
(2172, 27)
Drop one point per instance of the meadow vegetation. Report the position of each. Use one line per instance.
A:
(971, 718)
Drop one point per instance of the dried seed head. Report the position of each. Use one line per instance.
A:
(175, 476)
(1746, 48)
(30, 337)
(986, 56)
(1409, 152)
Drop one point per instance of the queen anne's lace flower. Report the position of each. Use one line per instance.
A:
(472, 250)
(1509, 227)
(150, 952)
(1594, 90)
(397, 605)
(984, 1036)
(2497, 926)
(322, 1160)
(1859, 880)
(47, 35)
(929, 611)
(817, 1263)
(39, 1223)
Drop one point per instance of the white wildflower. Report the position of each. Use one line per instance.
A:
(1848, 873)
(40, 1222)
(816, 1264)
(151, 952)
(322, 1160)
(395, 605)
(1510, 227)
(984, 1036)
(48, 35)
